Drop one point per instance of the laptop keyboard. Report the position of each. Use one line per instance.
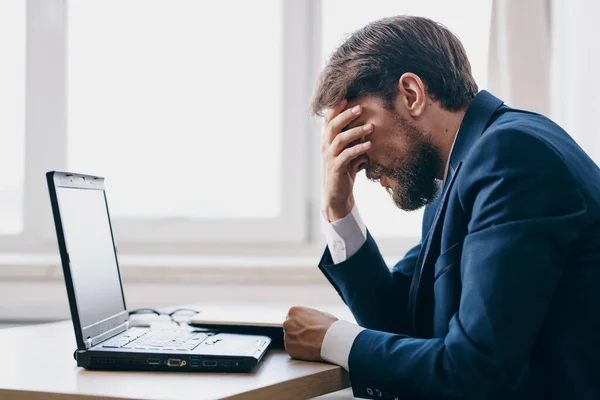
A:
(157, 340)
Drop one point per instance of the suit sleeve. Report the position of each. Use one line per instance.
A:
(525, 213)
(377, 297)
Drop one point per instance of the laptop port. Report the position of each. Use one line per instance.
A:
(175, 362)
(209, 363)
(154, 361)
(194, 364)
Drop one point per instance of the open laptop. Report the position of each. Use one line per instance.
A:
(100, 318)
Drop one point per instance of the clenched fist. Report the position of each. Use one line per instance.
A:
(304, 331)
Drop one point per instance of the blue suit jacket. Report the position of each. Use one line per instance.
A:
(501, 297)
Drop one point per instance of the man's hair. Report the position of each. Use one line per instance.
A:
(372, 60)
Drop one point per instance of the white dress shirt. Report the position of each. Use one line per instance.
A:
(344, 238)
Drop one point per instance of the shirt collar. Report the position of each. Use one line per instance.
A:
(446, 170)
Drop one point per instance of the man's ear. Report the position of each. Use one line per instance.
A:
(411, 94)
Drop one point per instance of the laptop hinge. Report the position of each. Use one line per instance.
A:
(92, 341)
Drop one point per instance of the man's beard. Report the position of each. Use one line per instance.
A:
(414, 175)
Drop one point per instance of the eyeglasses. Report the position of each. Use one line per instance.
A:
(184, 313)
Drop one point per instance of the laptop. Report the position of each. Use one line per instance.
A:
(105, 339)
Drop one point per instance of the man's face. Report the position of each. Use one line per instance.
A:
(403, 157)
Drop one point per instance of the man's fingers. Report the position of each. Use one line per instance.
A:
(346, 138)
(340, 121)
(335, 110)
(359, 163)
(295, 310)
(350, 154)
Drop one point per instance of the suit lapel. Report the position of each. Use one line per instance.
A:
(421, 276)
(420, 302)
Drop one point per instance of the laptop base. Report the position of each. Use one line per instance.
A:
(113, 361)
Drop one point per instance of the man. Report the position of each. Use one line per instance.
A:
(500, 298)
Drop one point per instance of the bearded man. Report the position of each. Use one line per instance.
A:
(499, 298)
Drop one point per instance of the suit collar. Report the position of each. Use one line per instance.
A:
(478, 116)
(474, 122)
(476, 119)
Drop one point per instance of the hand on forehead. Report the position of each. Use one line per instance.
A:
(358, 121)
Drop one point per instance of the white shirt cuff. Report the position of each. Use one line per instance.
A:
(345, 236)
(338, 342)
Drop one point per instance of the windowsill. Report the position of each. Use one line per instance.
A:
(32, 287)
(170, 268)
(173, 268)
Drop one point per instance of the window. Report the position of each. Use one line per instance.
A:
(342, 17)
(167, 104)
(12, 120)
(180, 104)
(198, 117)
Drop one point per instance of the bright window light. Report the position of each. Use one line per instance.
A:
(178, 103)
(12, 115)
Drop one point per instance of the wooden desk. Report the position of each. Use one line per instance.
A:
(37, 363)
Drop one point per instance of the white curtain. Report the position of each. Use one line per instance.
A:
(519, 53)
(575, 71)
(545, 57)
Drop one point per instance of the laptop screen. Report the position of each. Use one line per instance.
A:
(89, 243)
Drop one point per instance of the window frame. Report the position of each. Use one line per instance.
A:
(46, 144)
(45, 121)
(296, 232)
